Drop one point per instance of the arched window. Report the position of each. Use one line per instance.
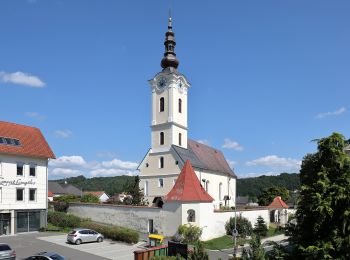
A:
(180, 105)
(161, 104)
(161, 162)
(161, 138)
(180, 139)
(207, 186)
(191, 215)
(220, 191)
(145, 189)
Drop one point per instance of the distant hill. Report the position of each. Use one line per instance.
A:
(110, 185)
(252, 187)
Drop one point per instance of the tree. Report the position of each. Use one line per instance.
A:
(243, 226)
(260, 227)
(255, 251)
(90, 198)
(323, 214)
(198, 252)
(269, 194)
(189, 233)
(135, 192)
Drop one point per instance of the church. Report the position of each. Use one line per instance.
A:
(170, 145)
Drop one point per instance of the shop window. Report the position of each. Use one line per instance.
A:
(191, 215)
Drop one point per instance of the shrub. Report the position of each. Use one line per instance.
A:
(66, 198)
(198, 253)
(90, 198)
(62, 219)
(60, 206)
(114, 232)
(243, 226)
(260, 227)
(166, 258)
(189, 233)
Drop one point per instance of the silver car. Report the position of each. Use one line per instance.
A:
(6, 252)
(83, 235)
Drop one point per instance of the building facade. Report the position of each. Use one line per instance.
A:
(24, 155)
(170, 146)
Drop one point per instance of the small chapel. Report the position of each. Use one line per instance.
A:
(170, 145)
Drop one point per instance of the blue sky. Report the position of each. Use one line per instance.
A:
(267, 77)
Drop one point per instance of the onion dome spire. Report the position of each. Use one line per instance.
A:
(169, 60)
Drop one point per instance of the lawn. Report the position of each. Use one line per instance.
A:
(223, 242)
(50, 227)
(274, 231)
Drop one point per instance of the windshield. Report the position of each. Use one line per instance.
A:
(57, 257)
(4, 248)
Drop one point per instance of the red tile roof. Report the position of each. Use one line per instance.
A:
(187, 187)
(95, 193)
(278, 203)
(33, 143)
(49, 194)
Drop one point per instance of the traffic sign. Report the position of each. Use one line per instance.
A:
(235, 232)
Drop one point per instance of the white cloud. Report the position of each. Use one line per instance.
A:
(231, 163)
(35, 115)
(331, 113)
(68, 161)
(63, 133)
(116, 163)
(203, 141)
(230, 144)
(21, 78)
(74, 165)
(276, 162)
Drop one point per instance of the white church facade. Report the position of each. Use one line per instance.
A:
(170, 145)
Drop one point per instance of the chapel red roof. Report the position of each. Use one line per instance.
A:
(33, 143)
(278, 203)
(187, 187)
(49, 194)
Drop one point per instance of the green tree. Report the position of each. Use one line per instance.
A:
(90, 198)
(269, 194)
(255, 251)
(136, 193)
(198, 252)
(189, 233)
(243, 226)
(260, 227)
(323, 214)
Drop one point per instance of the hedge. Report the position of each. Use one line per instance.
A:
(63, 220)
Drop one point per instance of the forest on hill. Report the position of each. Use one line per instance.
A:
(253, 186)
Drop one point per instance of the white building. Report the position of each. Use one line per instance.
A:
(24, 155)
(170, 146)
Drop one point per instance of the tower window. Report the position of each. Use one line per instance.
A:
(161, 137)
(161, 105)
(161, 162)
(180, 105)
(180, 139)
(160, 183)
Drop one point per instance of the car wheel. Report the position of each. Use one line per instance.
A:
(78, 242)
(100, 239)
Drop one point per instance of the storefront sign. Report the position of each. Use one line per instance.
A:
(16, 182)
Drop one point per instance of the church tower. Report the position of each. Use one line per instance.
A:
(169, 101)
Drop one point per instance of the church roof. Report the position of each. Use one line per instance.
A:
(187, 187)
(204, 157)
(278, 203)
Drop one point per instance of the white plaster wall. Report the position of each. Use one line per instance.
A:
(104, 197)
(176, 94)
(157, 116)
(8, 172)
(154, 189)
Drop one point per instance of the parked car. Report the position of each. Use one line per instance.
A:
(46, 256)
(82, 235)
(6, 252)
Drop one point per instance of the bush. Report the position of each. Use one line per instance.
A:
(198, 253)
(63, 220)
(90, 198)
(166, 258)
(189, 233)
(243, 226)
(260, 227)
(66, 198)
(114, 232)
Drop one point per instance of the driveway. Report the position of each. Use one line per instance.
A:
(107, 249)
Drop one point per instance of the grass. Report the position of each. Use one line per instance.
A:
(52, 228)
(274, 231)
(223, 242)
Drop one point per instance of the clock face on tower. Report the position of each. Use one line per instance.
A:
(161, 83)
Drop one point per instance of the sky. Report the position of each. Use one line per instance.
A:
(267, 78)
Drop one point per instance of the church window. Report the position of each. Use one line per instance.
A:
(160, 183)
(180, 105)
(191, 215)
(220, 191)
(161, 141)
(145, 190)
(147, 164)
(176, 162)
(161, 162)
(161, 105)
(180, 139)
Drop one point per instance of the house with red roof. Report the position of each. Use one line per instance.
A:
(24, 156)
(278, 211)
(101, 195)
(170, 145)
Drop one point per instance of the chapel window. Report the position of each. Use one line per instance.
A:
(191, 215)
